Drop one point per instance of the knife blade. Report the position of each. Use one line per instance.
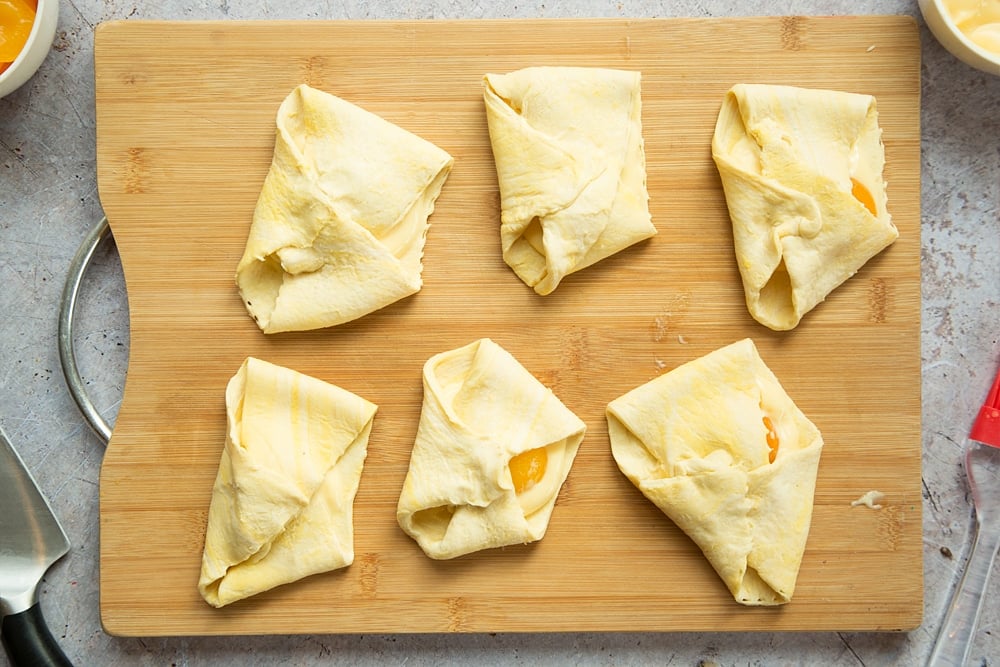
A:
(31, 540)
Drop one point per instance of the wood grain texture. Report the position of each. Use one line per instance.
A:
(185, 131)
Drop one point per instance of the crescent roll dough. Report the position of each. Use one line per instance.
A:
(492, 450)
(282, 504)
(567, 142)
(339, 227)
(802, 174)
(722, 450)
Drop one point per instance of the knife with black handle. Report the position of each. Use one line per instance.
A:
(31, 540)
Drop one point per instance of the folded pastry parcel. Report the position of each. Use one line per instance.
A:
(340, 223)
(802, 174)
(492, 450)
(568, 147)
(282, 503)
(723, 451)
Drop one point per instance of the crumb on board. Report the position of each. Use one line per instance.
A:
(870, 49)
(659, 328)
(681, 339)
(869, 500)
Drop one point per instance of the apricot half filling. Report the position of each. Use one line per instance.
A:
(535, 475)
(528, 469)
(771, 438)
(863, 195)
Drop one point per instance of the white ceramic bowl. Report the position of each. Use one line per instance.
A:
(953, 39)
(43, 31)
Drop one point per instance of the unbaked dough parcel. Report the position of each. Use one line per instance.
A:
(492, 450)
(802, 175)
(568, 147)
(282, 503)
(723, 451)
(340, 223)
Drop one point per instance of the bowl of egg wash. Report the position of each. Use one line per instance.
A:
(27, 28)
(969, 29)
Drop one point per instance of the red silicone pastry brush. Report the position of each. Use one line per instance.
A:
(982, 466)
(986, 428)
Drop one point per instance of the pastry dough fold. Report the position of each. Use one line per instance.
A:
(568, 148)
(340, 223)
(802, 174)
(696, 443)
(282, 502)
(481, 409)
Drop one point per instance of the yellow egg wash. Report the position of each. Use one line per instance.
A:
(979, 20)
(16, 19)
(528, 469)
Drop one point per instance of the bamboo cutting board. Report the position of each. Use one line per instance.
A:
(185, 131)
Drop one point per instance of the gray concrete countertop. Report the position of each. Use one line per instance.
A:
(49, 200)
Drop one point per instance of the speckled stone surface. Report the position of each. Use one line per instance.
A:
(49, 200)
